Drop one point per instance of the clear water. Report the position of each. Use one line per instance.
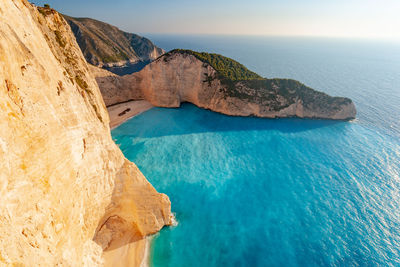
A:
(285, 192)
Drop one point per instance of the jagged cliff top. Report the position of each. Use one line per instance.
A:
(239, 82)
(102, 43)
(226, 67)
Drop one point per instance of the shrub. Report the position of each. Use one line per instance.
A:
(226, 67)
(59, 38)
(82, 83)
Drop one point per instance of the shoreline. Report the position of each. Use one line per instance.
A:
(135, 254)
(120, 113)
(146, 254)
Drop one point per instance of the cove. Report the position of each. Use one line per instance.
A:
(264, 192)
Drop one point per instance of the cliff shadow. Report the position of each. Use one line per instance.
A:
(128, 68)
(189, 119)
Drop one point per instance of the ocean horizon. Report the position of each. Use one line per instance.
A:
(272, 192)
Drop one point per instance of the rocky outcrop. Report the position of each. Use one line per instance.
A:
(114, 88)
(105, 45)
(184, 76)
(67, 194)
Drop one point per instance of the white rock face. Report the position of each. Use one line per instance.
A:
(181, 77)
(114, 89)
(66, 190)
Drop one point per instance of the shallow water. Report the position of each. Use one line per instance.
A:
(285, 192)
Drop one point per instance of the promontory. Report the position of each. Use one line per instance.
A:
(218, 83)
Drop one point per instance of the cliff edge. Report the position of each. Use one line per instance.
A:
(68, 196)
(223, 85)
(105, 45)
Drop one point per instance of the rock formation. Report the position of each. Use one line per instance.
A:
(114, 88)
(105, 45)
(223, 85)
(66, 191)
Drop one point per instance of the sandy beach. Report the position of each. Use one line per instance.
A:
(120, 113)
(135, 254)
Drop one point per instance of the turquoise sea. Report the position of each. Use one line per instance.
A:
(280, 192)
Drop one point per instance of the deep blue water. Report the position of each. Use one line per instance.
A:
(284, 192)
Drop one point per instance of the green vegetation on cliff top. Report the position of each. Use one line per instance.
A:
(226, 67)
(236, 78)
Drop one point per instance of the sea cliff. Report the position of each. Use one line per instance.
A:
(68, 196)
(107, 46)
(223, 85)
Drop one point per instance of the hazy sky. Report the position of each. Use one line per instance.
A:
(333, 18)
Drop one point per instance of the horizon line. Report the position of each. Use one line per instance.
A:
(383, 39)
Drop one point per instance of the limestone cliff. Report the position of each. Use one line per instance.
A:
(114, 88)
(105, 45)
(187, 76)
(66, 191)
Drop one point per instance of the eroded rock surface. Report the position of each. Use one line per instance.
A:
(105, 45)
(66, 190)
(180, 76)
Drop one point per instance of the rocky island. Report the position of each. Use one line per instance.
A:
(223, 85)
